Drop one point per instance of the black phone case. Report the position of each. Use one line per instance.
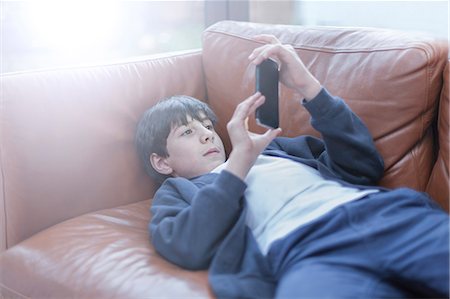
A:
(267, 83)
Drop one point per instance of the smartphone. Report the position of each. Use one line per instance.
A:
(267, 78)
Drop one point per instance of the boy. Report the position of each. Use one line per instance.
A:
(288, 217)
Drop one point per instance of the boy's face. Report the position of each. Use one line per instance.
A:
(194, 149)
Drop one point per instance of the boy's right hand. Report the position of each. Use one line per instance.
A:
(246, 145)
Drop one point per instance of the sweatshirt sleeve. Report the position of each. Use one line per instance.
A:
(189, 222)
(346, 148)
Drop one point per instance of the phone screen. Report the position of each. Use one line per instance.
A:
(267, 77)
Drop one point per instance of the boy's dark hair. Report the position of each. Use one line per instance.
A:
(156, 123)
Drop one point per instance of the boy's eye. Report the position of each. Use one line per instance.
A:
(209, 127)
(186, 132)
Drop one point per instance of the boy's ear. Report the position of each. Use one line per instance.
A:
(160, 164)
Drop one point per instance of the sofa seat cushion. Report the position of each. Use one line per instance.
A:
(104, 254)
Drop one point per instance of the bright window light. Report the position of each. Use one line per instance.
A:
(72, 25)
(43, 34)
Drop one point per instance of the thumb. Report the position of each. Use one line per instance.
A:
(272, 133)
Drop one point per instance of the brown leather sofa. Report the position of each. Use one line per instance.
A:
(74, 199)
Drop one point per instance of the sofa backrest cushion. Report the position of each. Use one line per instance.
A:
(392, 80)
(67, 137)
(438, 186)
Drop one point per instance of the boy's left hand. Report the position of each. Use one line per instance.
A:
(293, 73)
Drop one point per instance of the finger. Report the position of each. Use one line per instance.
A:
(248, 103)
(256, 104)
(263, 53)
(250, 109)
(264, 139)
(256, 52)
(274, 133)
(239, 120)
(242, 110)
(270, 134)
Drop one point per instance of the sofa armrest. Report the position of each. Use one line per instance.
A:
(67, 137)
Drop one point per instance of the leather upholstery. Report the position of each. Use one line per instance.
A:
(391, 80)
(438, 186)
(74, 199)
(104, 254)
(67, 137)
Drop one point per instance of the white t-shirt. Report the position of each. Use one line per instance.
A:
(283, 194)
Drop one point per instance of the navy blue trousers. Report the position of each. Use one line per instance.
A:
(387, 245)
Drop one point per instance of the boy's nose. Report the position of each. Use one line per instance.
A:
(206, 136)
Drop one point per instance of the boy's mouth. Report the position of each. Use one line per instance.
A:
(211, 151)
